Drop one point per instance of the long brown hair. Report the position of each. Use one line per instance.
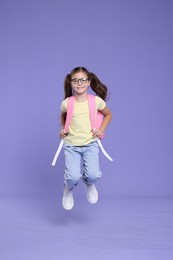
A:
(96, 85)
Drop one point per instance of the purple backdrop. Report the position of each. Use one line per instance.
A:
(128, 44)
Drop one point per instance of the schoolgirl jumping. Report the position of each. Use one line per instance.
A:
(81, 145)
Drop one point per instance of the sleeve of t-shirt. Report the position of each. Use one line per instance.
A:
(64, 106)
(100, 103)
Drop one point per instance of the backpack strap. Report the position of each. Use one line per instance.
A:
(96, 121)
(92, 106)
(57, 152)
(95, 118)
(103, 150)
(70, 108)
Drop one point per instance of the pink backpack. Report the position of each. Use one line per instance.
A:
(96, 121)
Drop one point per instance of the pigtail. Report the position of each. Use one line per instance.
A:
(67, 93)
(97, 86)
(67, 87)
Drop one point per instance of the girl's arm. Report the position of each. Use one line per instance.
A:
(62, 134)
(63, 118)
(106, 120)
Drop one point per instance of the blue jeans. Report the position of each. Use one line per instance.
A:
(81, 162)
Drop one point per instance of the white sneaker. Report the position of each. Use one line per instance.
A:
(67, 200)
(91, 193)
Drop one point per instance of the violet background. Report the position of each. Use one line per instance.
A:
(128, 44)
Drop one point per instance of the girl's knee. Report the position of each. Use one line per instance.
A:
(91, 178)
(72, 177)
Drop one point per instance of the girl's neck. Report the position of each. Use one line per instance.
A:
(81, 98)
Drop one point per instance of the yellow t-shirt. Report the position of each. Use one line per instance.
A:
(80, 126)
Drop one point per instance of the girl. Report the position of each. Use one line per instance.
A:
(80, 141)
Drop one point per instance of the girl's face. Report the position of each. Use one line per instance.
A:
(80, 83)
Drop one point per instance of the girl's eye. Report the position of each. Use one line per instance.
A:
(83, 80)
(75, 81)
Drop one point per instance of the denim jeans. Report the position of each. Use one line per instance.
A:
(81, 162)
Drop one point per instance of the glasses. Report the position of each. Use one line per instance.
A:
(82, 81)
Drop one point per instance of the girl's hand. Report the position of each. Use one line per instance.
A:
(62, 133)
(97, 133)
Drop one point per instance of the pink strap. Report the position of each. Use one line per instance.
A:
(92, 105)
(96, 119)
(70, 108)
